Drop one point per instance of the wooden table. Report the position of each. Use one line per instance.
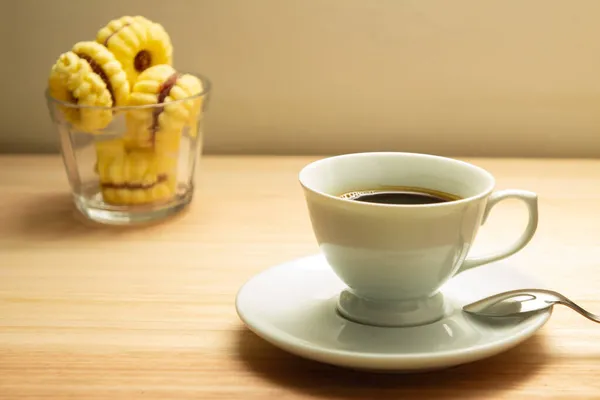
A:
(101, 313)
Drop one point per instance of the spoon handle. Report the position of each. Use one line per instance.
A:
(566, 302)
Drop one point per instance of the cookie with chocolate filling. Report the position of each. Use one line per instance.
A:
(137, 43)
(72, 80)
(105, 65)
(159, 127)
(134, 176)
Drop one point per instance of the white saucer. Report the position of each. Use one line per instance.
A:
(293, 306)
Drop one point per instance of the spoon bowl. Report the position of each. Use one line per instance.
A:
(523, 302)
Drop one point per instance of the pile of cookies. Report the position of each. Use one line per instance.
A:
(129, 64)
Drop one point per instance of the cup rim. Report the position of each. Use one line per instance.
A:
(206, 88)
(452, 203)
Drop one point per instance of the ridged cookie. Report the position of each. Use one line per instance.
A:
(162, 84)
(138, 135)
(137, 43)
(105, 65)
(134, 176)
(72, 80)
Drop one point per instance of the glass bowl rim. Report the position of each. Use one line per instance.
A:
(206, 87)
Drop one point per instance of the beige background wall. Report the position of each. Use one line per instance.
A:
(457, 77)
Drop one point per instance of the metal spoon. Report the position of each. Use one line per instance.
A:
(523, 301)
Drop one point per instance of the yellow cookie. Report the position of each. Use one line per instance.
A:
(161, 84)
(105, 65)
(137, 43)
(72, 80)
(138, 136)
(134, 176)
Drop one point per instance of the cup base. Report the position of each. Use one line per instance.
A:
(101, 213)
(390, 313)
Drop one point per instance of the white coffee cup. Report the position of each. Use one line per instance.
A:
(394, 258)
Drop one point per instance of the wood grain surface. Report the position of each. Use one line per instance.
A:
(90, 312)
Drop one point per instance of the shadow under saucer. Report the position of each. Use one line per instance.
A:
(476, 380)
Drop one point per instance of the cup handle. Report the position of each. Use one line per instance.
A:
(530, 199)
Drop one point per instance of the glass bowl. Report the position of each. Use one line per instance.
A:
(131, 164)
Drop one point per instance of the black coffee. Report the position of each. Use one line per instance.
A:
(400, 195)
